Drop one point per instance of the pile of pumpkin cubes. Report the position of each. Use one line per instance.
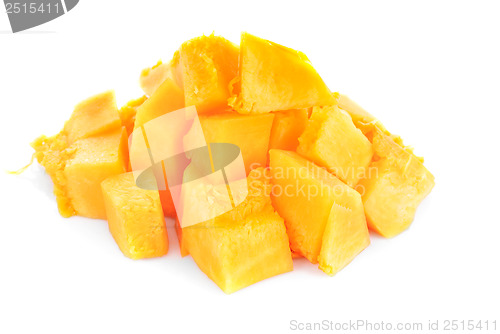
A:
(321, 171)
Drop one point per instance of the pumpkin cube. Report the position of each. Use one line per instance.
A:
(287, 127)
(207, 65)
(396, 184)
(324, 217)
(152, 78)
(96, 115)
(135, 217)
(245, 245)
(273, 77)
(331, 140)
(94, 160)
(250, 132)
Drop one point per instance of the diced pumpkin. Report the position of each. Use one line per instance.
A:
(128, 111)
(77, 170)
(250, 132)
(135, 217)
(287, 127)
(396, 184)
(331, 140)
(273, 77)
(324, 217)
(94, 160)
(168, 97)
(362, 119)
(245, 245)
(96, 115)
(345, 236)
(207, 65)
(152, 78)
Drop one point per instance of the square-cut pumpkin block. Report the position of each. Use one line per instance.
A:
(396, 184)
(273, 77)
(94, 160)
(287, 127)
(96, 115)
(324, 217)
(77, 170)
(135, 217)
(207, 64)
(250, 132)
(168, 97)
(152, 78)
(245, 245)
(331, 140)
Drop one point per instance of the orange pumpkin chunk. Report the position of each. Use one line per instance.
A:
(287, 127)
(250, 132)
(152, 78)
(324, 217)
(331, 140)
(94, 160)
(207, 65)
(395, 186)
(273, 77)
(245, 245)
(77, 170)
(135, 217)
(93, 116)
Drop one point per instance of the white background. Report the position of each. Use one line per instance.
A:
(430, 70)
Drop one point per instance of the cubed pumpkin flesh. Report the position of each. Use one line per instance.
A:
(78, 169)
(273, 77)
(245, 245)
(152, 78)
(98, 114)
(331, 140)
(168, 97)
(305, 195)
(250, 132)
(287, 127)
(128, 112)
(207, 65)
(396, 184)
(135, 217)
(94, 160)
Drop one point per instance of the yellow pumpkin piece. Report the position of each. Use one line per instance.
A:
(273, 77)
(128, 111)
(396, 184)
(94, 160)
(287, 127)
(135, 217)
(245, 245)
(331, 140)
(207, 65)
(345, 236)
(362, 119)
(78, 169)
(249, 132)
(324, 217)
(96, 115)
(168, 97)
